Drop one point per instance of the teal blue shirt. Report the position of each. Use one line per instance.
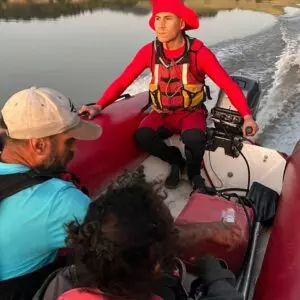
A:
(32, 223)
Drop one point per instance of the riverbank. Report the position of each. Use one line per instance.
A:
(47, 9)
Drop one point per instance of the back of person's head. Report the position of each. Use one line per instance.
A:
(127, 235)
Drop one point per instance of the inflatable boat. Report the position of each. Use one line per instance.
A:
(254, 186)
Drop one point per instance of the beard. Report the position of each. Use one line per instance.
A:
(56, 163)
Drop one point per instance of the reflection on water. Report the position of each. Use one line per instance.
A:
(81, 56)
(46, 9)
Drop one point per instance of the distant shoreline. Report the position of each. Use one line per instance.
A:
(45, 9)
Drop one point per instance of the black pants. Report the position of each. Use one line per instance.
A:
(152, 142)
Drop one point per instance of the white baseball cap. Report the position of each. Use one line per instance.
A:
(42, 112)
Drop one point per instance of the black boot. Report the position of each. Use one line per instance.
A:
(194, 141)
(198, 184)
(174, 177)
(150, 141)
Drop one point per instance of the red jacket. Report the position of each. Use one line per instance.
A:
(207, 64)
(79, 294)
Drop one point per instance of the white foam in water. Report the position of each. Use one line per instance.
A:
(297, 59)
(230, 51)
(277, 96)
(291, 11)
(141, 84)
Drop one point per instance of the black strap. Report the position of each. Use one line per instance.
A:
(196, 52)
(153, 48)
(24, 287)
(154, 94)
(161, 59)
(148, 105)
(11, 184)
(207, 92)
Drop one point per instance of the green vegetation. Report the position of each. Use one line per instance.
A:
(45, 9)
(52, 9)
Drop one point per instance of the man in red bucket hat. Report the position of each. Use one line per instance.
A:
(177, 8)
(178, 65)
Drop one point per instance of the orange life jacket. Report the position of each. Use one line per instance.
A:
(176, 84)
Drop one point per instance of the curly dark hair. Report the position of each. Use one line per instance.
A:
(127, 235)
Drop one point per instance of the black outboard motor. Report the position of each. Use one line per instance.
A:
(227, 120)
(224, 113)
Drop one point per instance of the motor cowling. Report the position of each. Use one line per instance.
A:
(225, 115)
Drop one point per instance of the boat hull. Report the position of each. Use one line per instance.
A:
(279, 276)
(98, 162)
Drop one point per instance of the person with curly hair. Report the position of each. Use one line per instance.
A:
(122, 248)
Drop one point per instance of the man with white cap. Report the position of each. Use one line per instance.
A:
(42, 126)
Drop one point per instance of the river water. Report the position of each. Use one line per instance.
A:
(81, 54)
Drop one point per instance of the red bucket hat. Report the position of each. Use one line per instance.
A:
(177, 8)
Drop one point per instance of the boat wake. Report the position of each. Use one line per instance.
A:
(280, 114)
